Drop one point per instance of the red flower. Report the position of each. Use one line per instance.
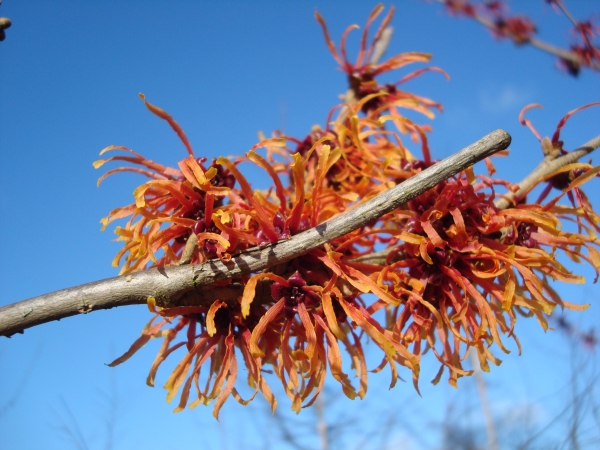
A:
(518, 28)
(460, 8)
(449, 271)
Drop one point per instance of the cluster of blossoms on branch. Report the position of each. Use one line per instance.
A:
(447, 273)
(584, 51)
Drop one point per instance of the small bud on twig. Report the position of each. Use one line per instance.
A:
(5, 23)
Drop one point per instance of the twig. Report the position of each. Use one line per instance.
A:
(187, 284)
(20, 389)
(71, 430)
(548, 165)
(567, 13)
(561, 53)
(322, 422)
(539, 44)
(485, 404)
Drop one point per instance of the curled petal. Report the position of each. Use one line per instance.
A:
(528, 122)
(563, 121)
(165, 116)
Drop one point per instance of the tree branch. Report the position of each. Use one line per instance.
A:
(194, 284)
(545, 168)
(561, 53)
(548, 165)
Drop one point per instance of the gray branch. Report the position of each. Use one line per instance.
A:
(194, 284)
(548, 165)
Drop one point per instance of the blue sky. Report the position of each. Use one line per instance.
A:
(69, 78)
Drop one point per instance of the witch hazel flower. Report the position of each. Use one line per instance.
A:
(448, 273)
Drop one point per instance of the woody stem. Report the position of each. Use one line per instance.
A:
(172, 284)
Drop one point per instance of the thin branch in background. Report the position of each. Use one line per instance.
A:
(322, 421)
(287, 435)
(575, 419)
(580, 28)
(456, 436)
(223, 434)
(566, 12)
(578, 399)
(341, 427)
(346, 427)
(382, 432)
(385, 431)
(485, 404)
(520, 30)
(20, 389)
(587, 338)
(110, 418)
(595, 407)
(69, 427)
(581, 397)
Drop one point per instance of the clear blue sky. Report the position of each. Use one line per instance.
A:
(70, 72)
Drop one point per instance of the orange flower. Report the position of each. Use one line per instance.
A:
(449, 270)
(220, 327)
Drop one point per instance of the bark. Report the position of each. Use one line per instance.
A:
(199, 284)
(549, 164)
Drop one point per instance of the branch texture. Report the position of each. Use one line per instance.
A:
(548, 165)
(194, 284)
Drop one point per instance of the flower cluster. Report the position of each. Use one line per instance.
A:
(494, 15)
(449, 272)
(586, 46)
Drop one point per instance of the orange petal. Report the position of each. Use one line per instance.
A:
(165, 116)
(211, 329)
(260, 328)
(250, 289)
